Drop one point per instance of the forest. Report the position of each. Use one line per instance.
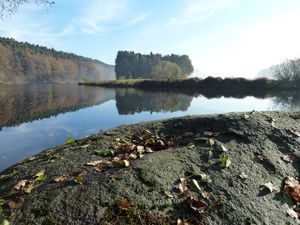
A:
(21, 62)
(131, 65)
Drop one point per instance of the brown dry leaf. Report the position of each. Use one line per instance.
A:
(94, 163)
(258, 158)
(288, 158)
(292, 187)
(58, 179)
(23, 185)
(124, 205)
(295, 193)
(295, 132)
(184, 190)
(197, 205)
(169, 194)
(104, 165)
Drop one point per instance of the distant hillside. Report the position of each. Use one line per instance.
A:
(27, 63)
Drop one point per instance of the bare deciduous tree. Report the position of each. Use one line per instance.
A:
(9, 7)
(288, 70)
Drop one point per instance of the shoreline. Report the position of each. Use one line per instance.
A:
(132, 173)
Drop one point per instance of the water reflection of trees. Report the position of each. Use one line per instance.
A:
(130, 101)
(24, 103)
(287, 100)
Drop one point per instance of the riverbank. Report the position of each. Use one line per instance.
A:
(216, 169)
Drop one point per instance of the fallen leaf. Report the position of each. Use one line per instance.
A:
(69, 140)
(169, 194)
(258, 158)
(196, 184)
(291, 187)
(79, 177)
(23, 185)
(197, 205)
(182, 222)
(40, 176)
(210, 142)
(269, 186)
(243, 175)
(225, 161)
(295, 132)
(94, 163)
(292, 213)
(203, 176)
(133, 156)
(40, 173)
(126, 163)
(288, 158)
(60, 178)
(124, 205)
(140, 149)
(222, 148)
(104, 165)
(148, 150)
(184, 190)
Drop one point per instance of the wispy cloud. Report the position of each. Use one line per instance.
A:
(138, 19)
(197, 10)
(100, 15)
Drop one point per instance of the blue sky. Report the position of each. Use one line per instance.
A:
(222, 37)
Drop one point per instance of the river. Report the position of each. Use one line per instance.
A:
(40, 116)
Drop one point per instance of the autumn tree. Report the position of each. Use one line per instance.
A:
(23, 62)
(131, 65)
(166, 70)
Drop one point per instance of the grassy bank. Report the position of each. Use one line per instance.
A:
(220, 169)
(193, 83)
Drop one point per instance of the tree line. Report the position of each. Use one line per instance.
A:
(21, 62)
(131, 65)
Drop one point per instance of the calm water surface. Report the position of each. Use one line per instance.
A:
(36, 117)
